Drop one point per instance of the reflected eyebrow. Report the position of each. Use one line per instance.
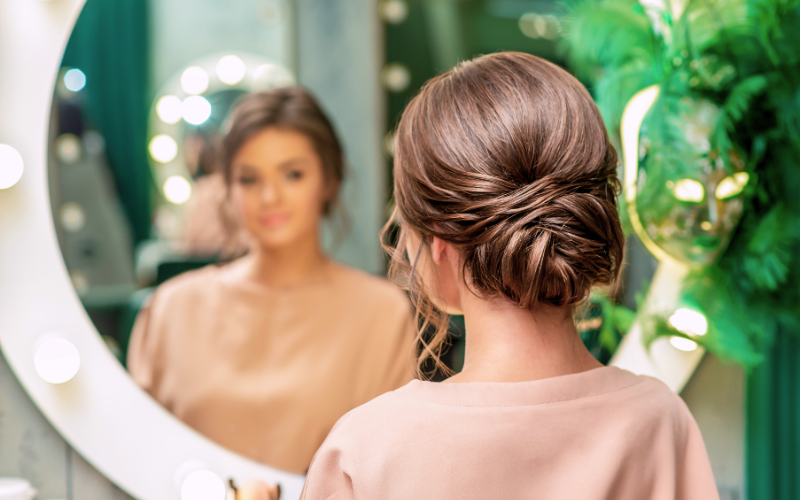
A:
(293, 162)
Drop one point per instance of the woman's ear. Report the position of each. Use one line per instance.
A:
(439, 251)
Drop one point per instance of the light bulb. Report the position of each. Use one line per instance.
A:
(203, 485)
(56, 360)
(689, 322)
(194, 80)
(169, 109)
(177, 189)
(11, 166)
(683, 344)
(196, 109)
(163, 148)
(74, 80)
(231, 70)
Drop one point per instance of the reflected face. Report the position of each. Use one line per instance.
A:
(690, 203)
(278, 188)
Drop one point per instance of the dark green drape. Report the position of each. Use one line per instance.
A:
(110, 45)
(773, 423)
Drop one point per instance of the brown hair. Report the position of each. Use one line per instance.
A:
(291, 108)
(507, 158)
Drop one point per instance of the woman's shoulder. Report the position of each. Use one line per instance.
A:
(372, 289)
(192, 284)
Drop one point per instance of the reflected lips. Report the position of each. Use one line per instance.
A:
(273, 220)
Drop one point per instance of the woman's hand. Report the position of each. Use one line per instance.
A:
(258, 490)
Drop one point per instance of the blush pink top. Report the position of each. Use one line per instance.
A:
(598, 435)
(267, 372)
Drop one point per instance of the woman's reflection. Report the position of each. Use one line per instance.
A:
(264, 354)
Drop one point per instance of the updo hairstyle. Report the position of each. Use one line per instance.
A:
(506, 157)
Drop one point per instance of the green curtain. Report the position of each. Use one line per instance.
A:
(110, 45)
(773, 423)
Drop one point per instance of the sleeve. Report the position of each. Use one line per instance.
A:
(695, 478)
(143, 360)
(327, 478)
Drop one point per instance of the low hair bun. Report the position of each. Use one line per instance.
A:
(507, 158)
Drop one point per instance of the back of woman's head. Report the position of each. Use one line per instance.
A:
(506, 158)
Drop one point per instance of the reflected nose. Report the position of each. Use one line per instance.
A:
(270, 194)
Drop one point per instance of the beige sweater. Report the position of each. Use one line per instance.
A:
(604, 434)
(265, 372)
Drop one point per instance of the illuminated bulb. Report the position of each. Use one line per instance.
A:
(732, 185)
(203, 485)
(194, 80)
(68, 148)
(163, 148)
(11, 166)
(74, 80)
(231, 70)
(177, 190)
(169, 109)
(689, 322)
(196, 109)
(393, 11)
(395, 77)
(56, 360)
(689, 190)
(683, 344)
(73, 217)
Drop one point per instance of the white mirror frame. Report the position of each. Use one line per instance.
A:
(101, 412)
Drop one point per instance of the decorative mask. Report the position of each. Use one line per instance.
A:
(684, 179)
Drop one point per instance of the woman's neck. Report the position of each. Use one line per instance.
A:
(506, 343)
(286, 267)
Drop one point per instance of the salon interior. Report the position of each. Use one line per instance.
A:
(119, 208)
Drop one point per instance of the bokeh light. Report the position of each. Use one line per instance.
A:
(732, 185)
(689, 190)
(177, 190)
(169, 109)
(56, 360)
(203, 485)
(689, 322)
(72, 217)
(163, 148)
(683, 344)
(393, 11)
(68, 149)
(194, 80)
(231, 70)
(74, 80)
(196, 109)
(11, 166)
(395, 77)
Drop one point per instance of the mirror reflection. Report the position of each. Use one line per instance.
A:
(197, 214)
(206, 203)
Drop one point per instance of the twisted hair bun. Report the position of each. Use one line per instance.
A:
(507, 158)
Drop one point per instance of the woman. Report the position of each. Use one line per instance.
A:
(505, 183)
(263, 355)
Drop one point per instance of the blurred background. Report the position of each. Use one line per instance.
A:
(143, 93)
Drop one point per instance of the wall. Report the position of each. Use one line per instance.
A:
(30, 448)
(715, 396)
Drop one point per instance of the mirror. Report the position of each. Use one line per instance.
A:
(204, 243)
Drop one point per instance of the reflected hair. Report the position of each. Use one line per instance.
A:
(507, 158)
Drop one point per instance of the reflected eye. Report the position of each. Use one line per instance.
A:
(689, 190)
(732, 185)
(294, 175)
(247, 180)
